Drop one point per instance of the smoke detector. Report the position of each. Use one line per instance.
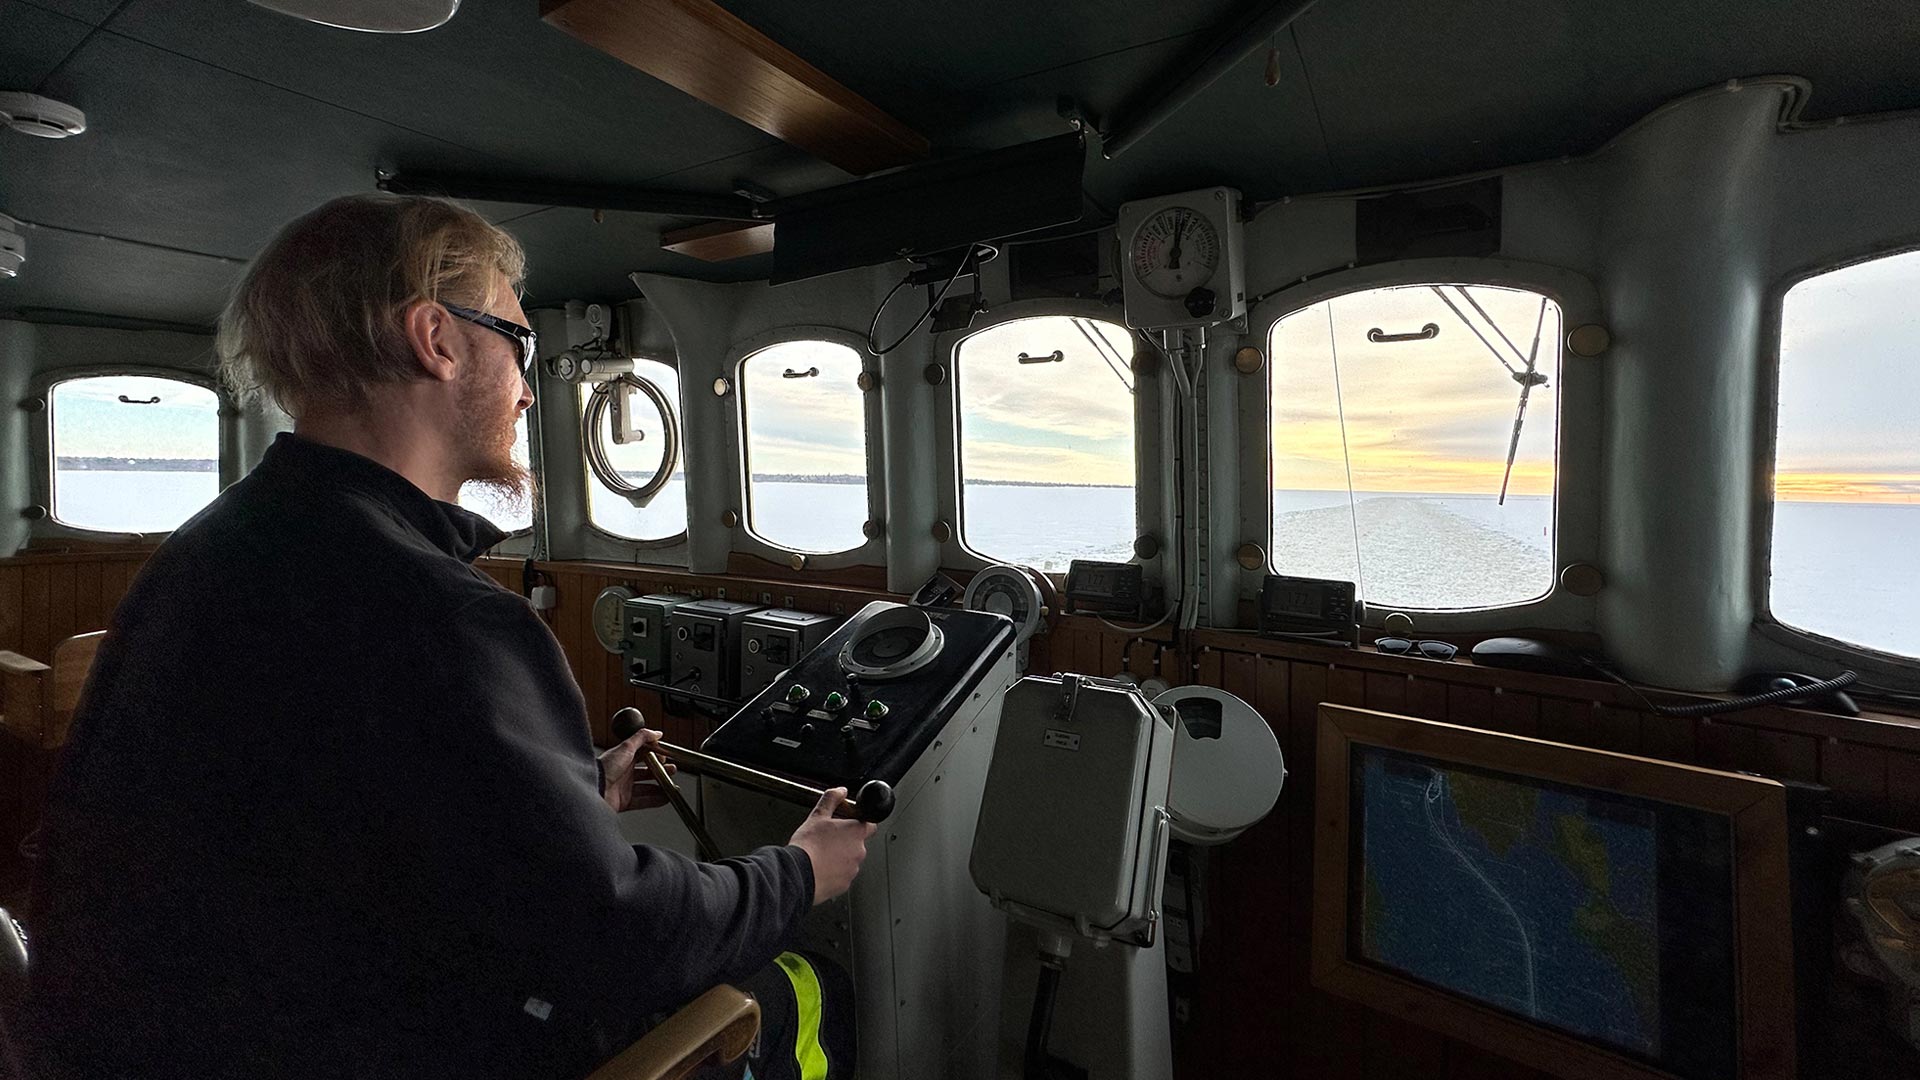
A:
(13, 247)
(31, 114)
(372, 16)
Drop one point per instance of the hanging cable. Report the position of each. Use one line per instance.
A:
(976, 253)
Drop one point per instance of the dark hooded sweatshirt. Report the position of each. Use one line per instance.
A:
(330, 808)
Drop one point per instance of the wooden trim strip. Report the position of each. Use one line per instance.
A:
(707, 52)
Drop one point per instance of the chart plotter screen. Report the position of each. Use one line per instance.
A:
(1603, 916)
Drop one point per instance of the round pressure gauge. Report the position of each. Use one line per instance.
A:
(1175, 252)
(891, 643)
(609, 618)
(1010, 591)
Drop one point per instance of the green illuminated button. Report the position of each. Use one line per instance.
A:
(876, 709)
(835, 701)
(798, 694)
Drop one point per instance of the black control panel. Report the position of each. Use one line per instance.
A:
(867, 701)
(1310, 609)
(1112, 588)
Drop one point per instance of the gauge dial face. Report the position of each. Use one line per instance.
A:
(609, 618)
(1010, 591)
(1175, 252)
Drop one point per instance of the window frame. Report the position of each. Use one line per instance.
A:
(1579, 425)
(40, 478)
(1150, 490)
(1771, 631)
(872, 550)
(587, 479)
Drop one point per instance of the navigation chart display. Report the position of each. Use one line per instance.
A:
(1538, 900)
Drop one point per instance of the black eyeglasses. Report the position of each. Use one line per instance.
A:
(1399, 646)
(521, 336)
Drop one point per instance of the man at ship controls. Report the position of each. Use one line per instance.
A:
(330, 805)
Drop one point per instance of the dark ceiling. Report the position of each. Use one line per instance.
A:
(213, 121)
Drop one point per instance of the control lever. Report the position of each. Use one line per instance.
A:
(874, 804)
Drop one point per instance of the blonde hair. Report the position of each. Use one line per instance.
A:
(316, 322)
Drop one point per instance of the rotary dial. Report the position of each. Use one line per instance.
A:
(1175, 252)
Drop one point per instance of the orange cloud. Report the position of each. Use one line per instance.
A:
(1857, 487)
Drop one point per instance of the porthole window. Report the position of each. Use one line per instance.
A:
(637, 461)
(804, 418)
(1414, 437)
(1046, 441)
(510, 511)
(133, 453)
(1846, 479)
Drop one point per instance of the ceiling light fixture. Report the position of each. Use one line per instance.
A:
(31, 114)
(372, 16)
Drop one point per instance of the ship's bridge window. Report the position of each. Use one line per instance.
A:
(511, 511)
(804, 416)
(1414, 433)
(1047, 441)
(1846, 479)
(638, 461)
(133, 453)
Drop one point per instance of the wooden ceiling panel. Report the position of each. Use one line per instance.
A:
(709, 53)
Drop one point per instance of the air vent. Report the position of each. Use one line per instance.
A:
(31, 114)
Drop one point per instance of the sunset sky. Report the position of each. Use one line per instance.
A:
(1420, 416)
(1432, 415)
(1850, 385)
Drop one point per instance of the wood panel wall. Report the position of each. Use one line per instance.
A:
(45, 599)
(1249, 1008)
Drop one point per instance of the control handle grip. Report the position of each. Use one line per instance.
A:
(874, 802)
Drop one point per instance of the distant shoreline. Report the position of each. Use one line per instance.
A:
(206, 465)
(121, 464)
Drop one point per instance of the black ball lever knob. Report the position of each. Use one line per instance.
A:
(876, 801)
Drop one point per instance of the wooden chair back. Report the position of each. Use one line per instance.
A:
(717, 1027)
(37, 700)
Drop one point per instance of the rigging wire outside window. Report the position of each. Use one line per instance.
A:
(1106, 351)
(1346, 454)
(1462, 316)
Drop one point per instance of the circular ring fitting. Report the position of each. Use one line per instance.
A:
(596, 448)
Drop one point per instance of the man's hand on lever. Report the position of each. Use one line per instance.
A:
(837, 846)
(617, 765)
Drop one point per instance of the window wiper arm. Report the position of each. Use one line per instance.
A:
(1527, 379)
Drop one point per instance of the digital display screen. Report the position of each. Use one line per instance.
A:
(1293, 600)
(1605, 917)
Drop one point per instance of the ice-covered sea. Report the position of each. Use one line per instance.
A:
(1840, 569)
